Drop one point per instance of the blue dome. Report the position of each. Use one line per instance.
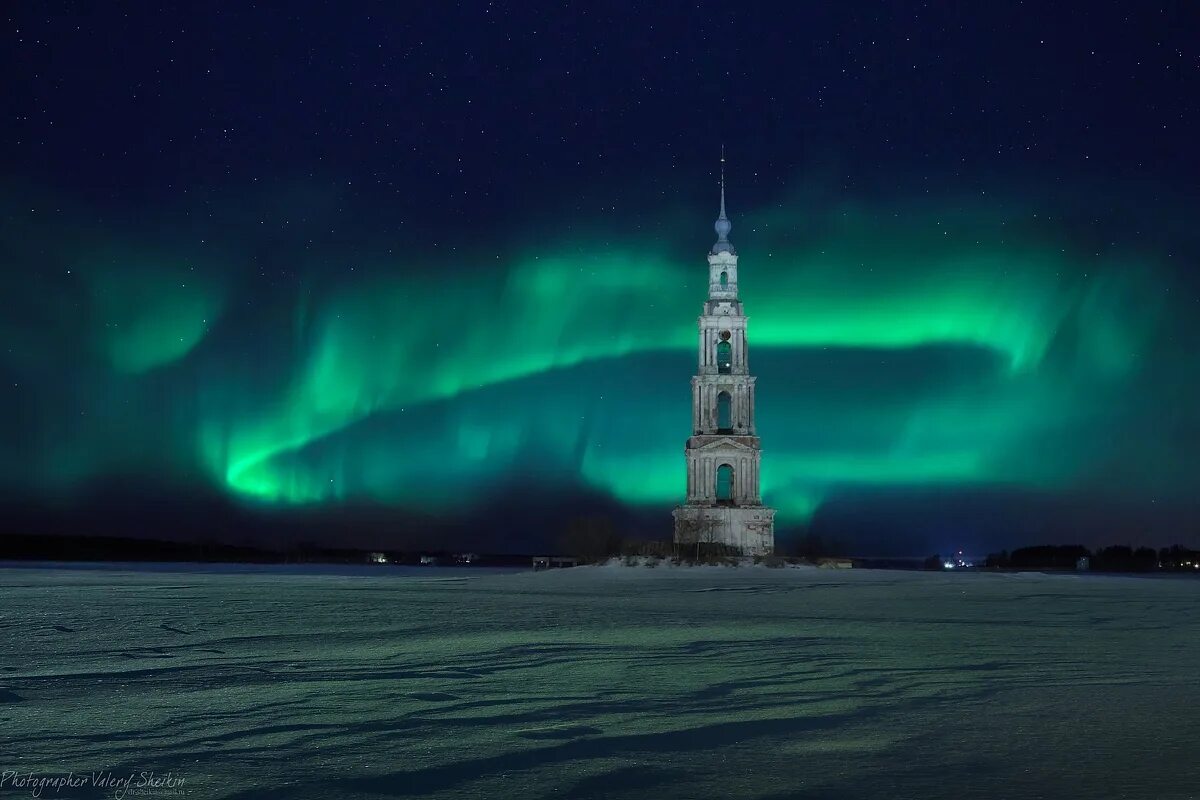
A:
(722, 227)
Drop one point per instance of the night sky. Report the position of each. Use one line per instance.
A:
(430, 272)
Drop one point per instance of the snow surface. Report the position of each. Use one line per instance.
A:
(604, 682)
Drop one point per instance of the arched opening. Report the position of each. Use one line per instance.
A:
(724, 279)
(725, 484)
(724, 412)
(724, 358)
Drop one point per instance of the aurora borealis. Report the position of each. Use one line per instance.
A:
(308, 309)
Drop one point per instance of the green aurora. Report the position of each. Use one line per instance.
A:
(972, 346)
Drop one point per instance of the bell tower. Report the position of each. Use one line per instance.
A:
(723, 504)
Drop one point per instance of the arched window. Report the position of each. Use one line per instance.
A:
(724, 279)
(724, 358)
(725, 484)
(724, 412)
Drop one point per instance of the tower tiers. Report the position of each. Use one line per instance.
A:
(724, 505)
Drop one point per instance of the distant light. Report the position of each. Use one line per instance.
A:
(948, 565)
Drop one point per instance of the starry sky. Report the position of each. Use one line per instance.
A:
(430, 274)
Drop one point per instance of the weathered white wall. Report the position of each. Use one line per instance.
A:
(752, 530)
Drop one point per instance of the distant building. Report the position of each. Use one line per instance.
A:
(553, 562)
(377, 558)
(958, 562)
(723, 505)
(429, 561)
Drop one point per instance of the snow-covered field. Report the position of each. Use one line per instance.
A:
(603, 682)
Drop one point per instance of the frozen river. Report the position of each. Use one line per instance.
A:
(602, 683)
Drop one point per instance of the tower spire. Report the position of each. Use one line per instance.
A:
(722, 182)
(723, 226)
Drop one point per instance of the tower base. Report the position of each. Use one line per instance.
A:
(748, 529)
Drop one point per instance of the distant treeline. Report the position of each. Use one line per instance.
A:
(1118, 558)
(23, 547)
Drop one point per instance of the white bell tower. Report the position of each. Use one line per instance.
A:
(723, 503)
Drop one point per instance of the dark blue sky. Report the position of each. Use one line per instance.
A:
(456, 105)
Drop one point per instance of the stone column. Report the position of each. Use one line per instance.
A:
(751, 394)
